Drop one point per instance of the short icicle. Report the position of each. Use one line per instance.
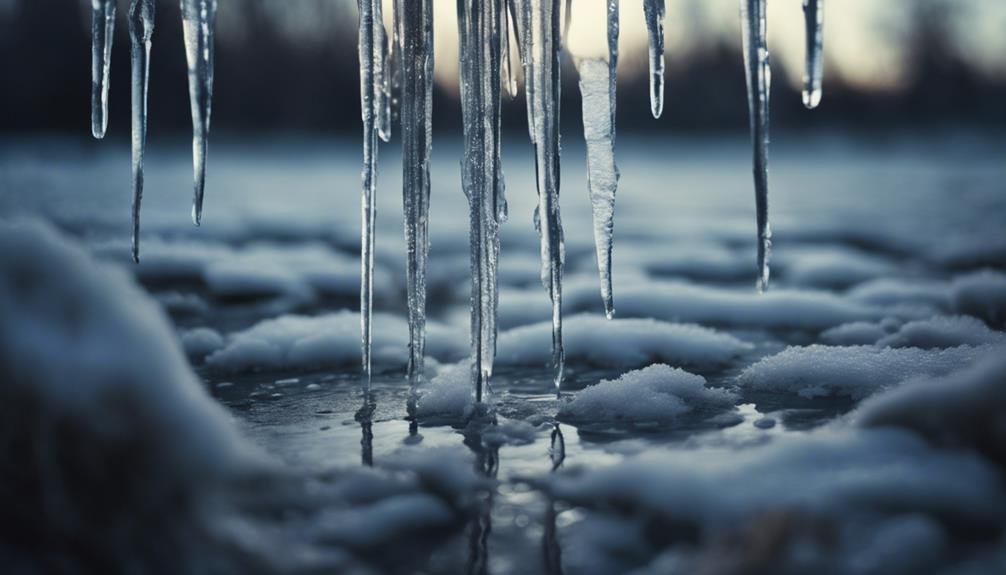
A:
(754, 28)
(141, 31)
(479, 26)
(382, 74)
(597, 88)
(371, 59)
(654, 12)
(102, 33)
(415, 33)
(542, 51)
(813, 13)
(198, 25)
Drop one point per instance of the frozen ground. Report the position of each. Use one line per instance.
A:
(849, 421)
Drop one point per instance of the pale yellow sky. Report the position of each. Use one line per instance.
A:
(864, 39)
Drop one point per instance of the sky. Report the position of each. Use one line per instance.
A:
(865, 40)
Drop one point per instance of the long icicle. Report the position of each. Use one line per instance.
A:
(370, 60)
(102, 33)
(813, 13)
(141, 31)
(415, 32)
(597, 88)
(542, 50)
(482, 177)
(654, 12)
(754, 27)
(198, 26)
(507, 75)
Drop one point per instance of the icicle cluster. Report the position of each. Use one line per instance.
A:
(485, 28)
(198, 24)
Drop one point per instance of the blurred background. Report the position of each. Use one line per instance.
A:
(291, 66)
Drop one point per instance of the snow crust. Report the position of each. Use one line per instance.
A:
(655, 394)
(596, 341)
(855, 372)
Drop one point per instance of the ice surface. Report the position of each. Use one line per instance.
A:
(754, 33)
(102, 34)
(654, 12)
(199, 19)
(482, 176)
(855, 372)
(813, 11)
(595, 341)
(141, 31)
(415, 33)
(655, 394)
(304, 343)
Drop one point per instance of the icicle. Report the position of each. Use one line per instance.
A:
(141, 30)
(654, 11)
(415, 32)
(382, 74)
(370, 61)
(479, 31)
(542, 44)
(507, 76)
(102, 33)
(198, 24)
(597, 87)
(813, 12)
(754, 28)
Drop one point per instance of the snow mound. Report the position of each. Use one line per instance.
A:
(929, 294)
(449, 395)
(830, 267)
(782, 309)
(982, 295)
(306, 343)
(854, 372)
(597, 341)
(200, 342)
(101, 419)
(655, 394)
(819, 502)
(962, 409)
(855, 333)
(942, 331)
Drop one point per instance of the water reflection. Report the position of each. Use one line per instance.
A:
(365, 417)
(550, 540)
(487, 464)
